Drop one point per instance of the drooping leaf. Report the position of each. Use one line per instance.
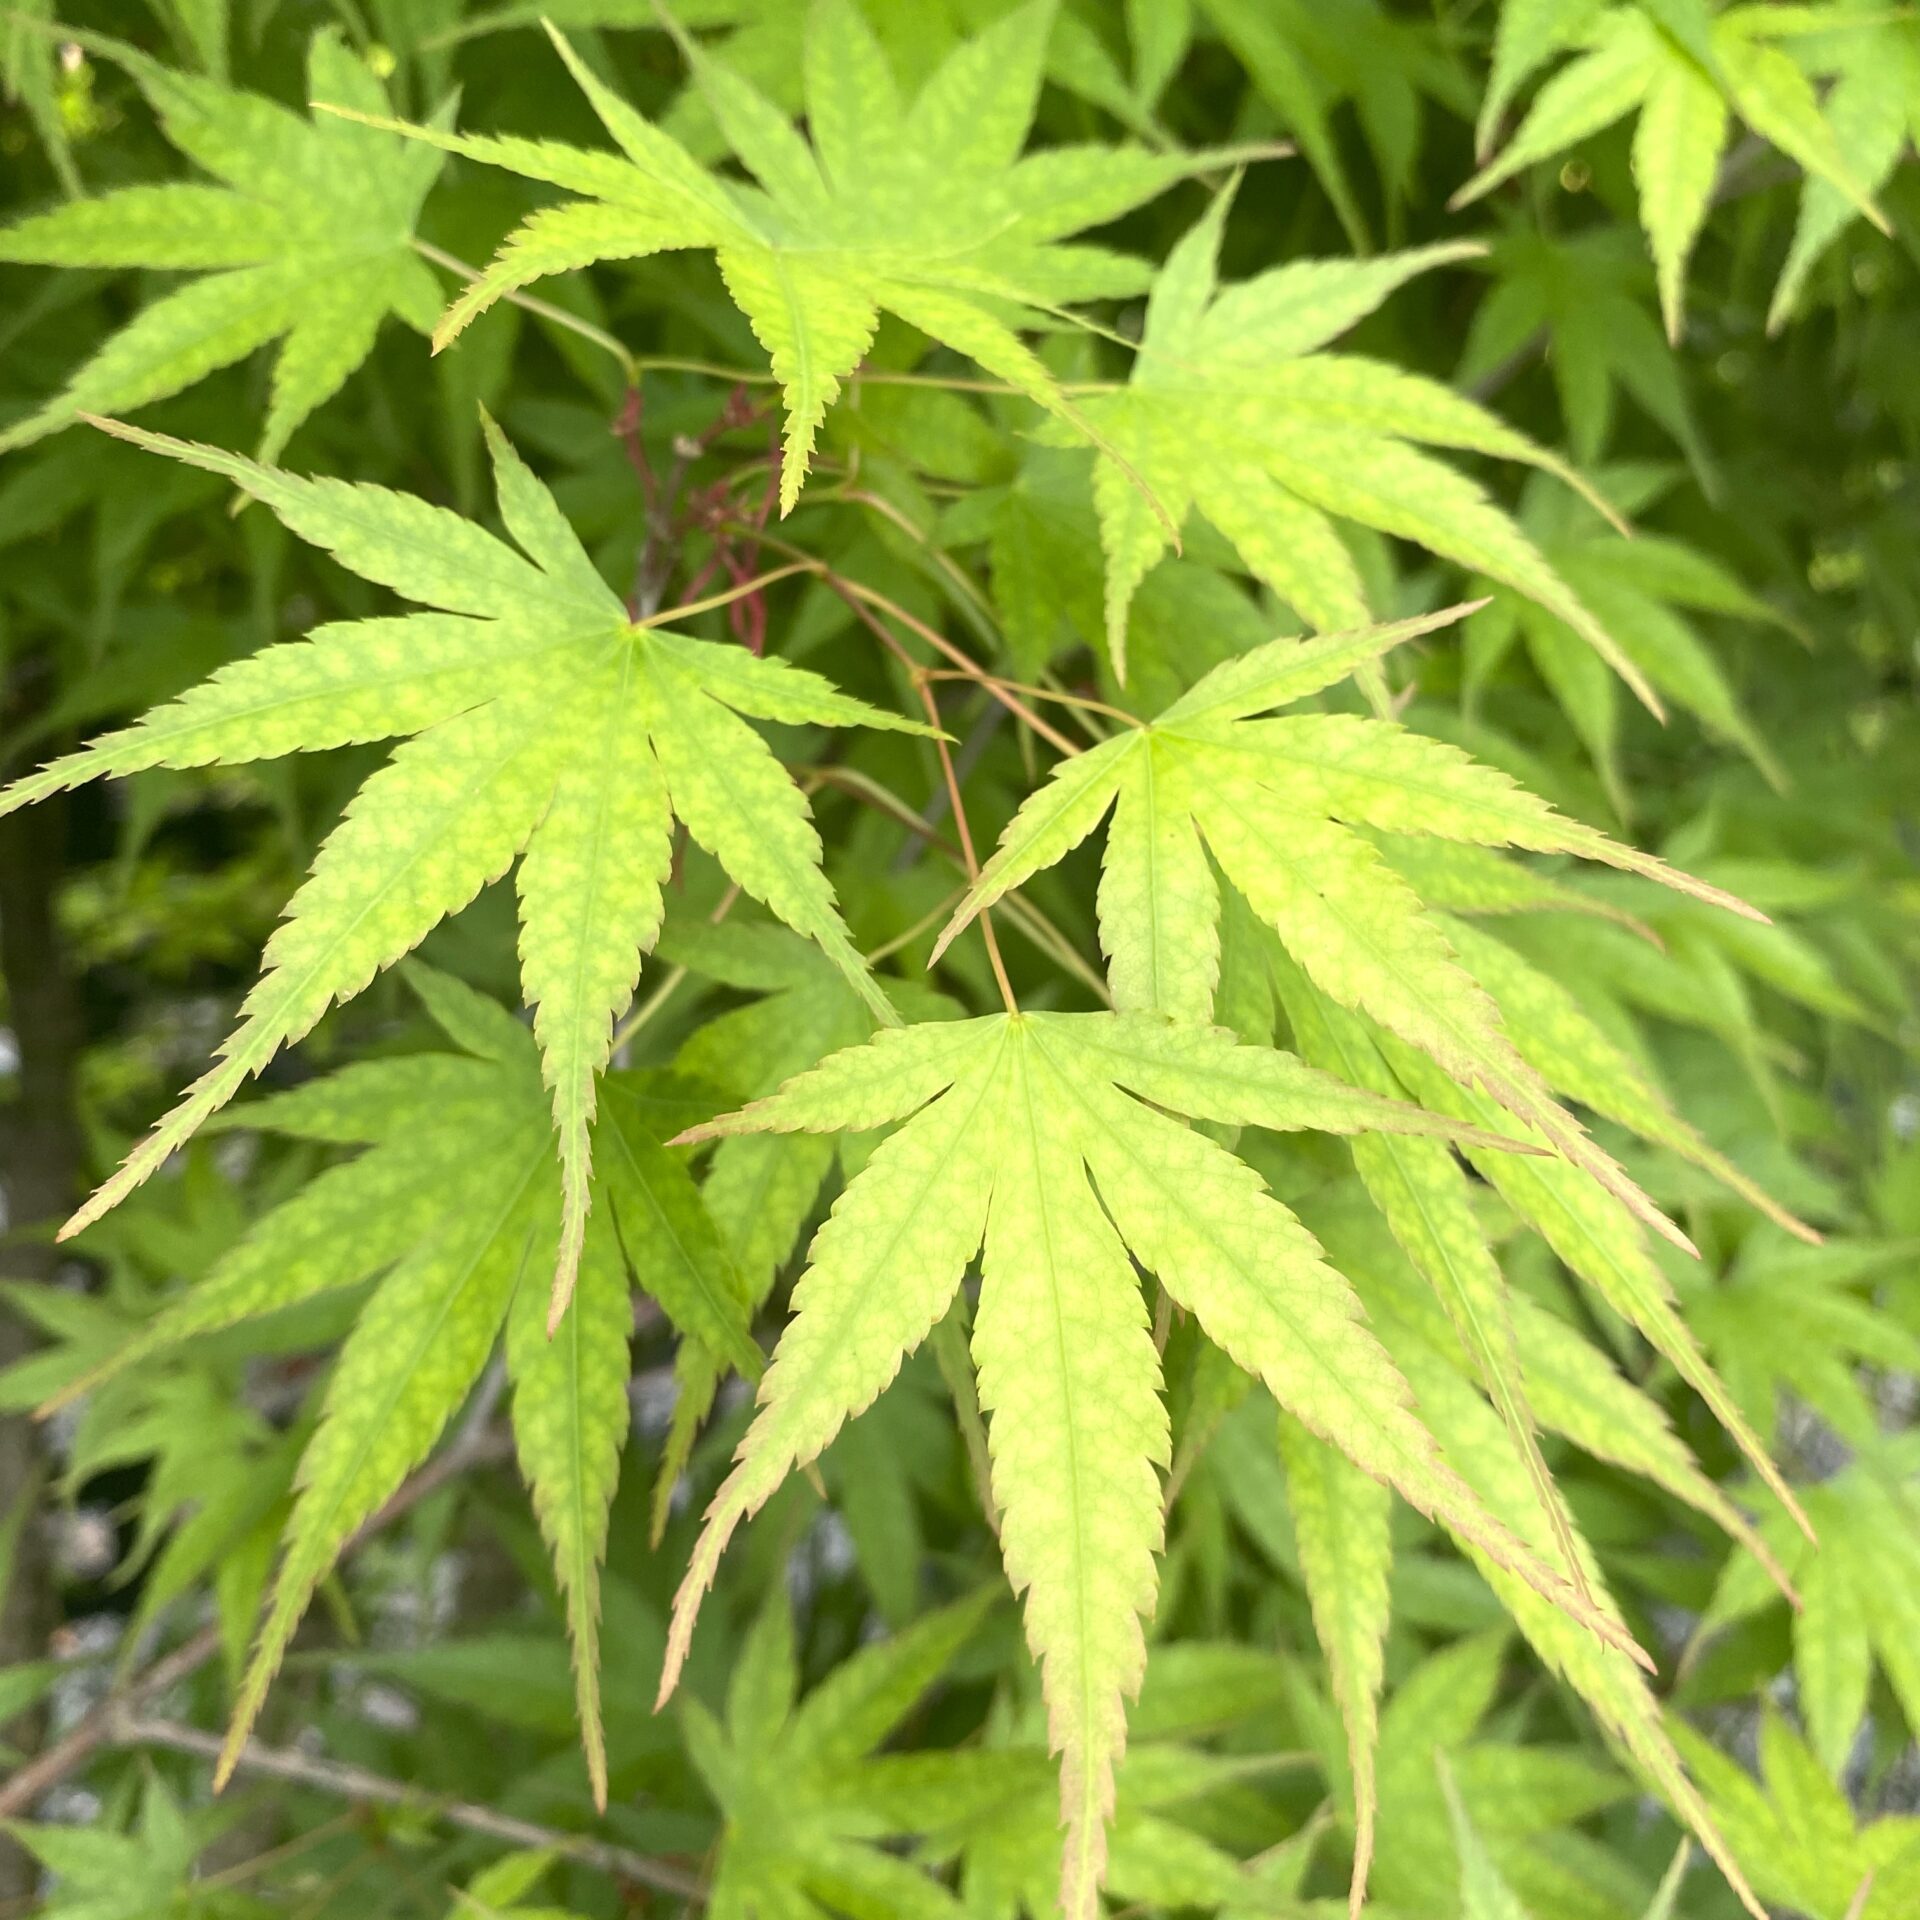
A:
(1276, 803)
(1020, 1134)
(1687, 87)
(453, 1200)
(1234, 410)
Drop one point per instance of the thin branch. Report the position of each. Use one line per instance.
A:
(738, 591)
(994, 682)
(966, 839)
(374, 1789)
(476, 1443)
(24, 1788)
(1026, 917)
(865, 601)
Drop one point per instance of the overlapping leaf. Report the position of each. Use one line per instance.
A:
(1860, 1596)
(760, 1189)
(1689, 71)
(806, 1802)
(1021, 1134)
(920, 208)
(1276, 804)
(306, 237)
(1233, 411)
(1869, 58)
(1809, 1848)
(1644, 589)
(454, 1207)
(1568, 1386)
(546, 726)
(1581, 295)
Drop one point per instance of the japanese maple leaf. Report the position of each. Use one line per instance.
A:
(1645, 589)
(1689, 71)
(307, 237)
(1811, 1850)
(1276, 803)
(1859, 1589)
(1050, 1136)
(546, 726)
(922, 209)
(1232, 411)
(452, 1207)
(1870, 55)
(807, 1805)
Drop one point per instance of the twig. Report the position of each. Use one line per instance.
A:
(965, 832)
(476, 1443)
(374, 1789)
(1028, 919)
(686, 609)
(865, 602)
(45, 1771)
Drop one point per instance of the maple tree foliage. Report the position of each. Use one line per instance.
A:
(1068, 1043)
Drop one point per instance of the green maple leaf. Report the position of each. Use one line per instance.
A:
(1521, 1800)
(1233, 410)
(1809, 1849)
(1584, 292)
(1870, 57)
(923, 209)
(991, 1807)
(546, 726)
(807, 1805)
(1644, 589)
(307, 235)
(1276, 803)
(759, 1188)
(100, 1874)
(455, 1200)
(1798, 1321)
(1307, 60)
(1484, 1894)
(1572, 1389)
(1859, 1589)
(1020, 1132)
(1688, 71)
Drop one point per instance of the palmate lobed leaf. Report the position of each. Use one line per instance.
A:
(1860, 1605)
(1033, 1134)
(1870, 56)
(922, 208)
(546, 725)
(760, 1189)
(306, 237)
(1689, 77)
(806, 1803)
(1236, 410)
(1275, 803)
(1645, 589)
(452, 1211)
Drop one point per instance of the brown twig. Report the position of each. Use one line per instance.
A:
(965, 832)
(865, 602)
(24, 1788)
(374, 1789)
(477, 1443)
